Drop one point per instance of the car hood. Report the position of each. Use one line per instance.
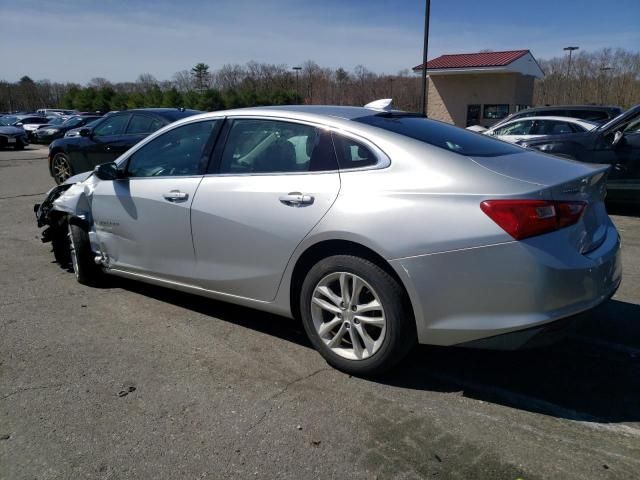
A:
(537, 168)
(9, 130)
(81, 177)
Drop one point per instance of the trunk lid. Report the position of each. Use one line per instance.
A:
(562, 180)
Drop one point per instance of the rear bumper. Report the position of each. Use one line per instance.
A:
(467, 295)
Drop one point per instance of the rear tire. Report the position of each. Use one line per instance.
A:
(87, 272)
(365, 333)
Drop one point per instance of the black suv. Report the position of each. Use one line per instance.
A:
(616, 143)
(593, 113)
(108, 139)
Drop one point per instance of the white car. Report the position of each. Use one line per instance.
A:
(537, 127)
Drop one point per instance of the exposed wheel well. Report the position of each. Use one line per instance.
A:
(326, 249)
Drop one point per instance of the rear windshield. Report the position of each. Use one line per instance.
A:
(442, 135)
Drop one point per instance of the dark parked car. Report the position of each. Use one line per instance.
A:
(616, 143)
(28, 122)
(48, 133)
(593, 113)
(14, 137)
(108, 139)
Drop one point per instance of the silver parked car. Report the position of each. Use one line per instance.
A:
(378, 229)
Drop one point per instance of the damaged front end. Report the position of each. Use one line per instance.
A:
(68, 202)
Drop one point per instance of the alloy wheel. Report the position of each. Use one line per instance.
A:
(61, 168)
(348, 315)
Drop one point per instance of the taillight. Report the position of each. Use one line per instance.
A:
(527, 218)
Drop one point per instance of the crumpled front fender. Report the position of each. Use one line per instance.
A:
(76, 200)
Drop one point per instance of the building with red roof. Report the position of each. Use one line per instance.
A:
(480, 88)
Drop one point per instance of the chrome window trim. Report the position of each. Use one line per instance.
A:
(383, 161)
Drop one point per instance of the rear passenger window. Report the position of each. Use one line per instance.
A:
(139, 124)
(589, 115)
(270, 146)
(352, 154)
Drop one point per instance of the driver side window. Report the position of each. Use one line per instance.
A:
(174, 153)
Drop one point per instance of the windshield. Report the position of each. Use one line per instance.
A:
(72, 122)
(442, 135)
(57, 121)
(8, 120)
(93, 124)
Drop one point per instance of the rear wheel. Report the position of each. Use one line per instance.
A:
(61, 167)
(84, 267)
(356, 315)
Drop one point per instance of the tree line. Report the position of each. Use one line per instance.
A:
(604, 77)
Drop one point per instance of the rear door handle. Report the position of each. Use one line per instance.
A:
(175, 196)
(296, 199)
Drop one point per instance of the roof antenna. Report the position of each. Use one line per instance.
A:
(383, 105)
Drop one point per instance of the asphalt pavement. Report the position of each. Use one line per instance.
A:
(136, 381)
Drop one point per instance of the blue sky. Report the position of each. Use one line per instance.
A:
(75, 40)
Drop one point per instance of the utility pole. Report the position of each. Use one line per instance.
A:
(570, 50)
(425, 48)
(297, 69)
(603, 69)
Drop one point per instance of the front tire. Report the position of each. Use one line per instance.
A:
(356, 315)
(82, 258)
(61, 167)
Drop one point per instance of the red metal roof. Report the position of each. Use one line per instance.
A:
(474, 60)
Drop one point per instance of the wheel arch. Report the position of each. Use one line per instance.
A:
(327, 248)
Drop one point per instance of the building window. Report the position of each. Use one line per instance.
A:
(522, 107)
(495, 112)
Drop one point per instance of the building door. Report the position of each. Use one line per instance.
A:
(473, 115)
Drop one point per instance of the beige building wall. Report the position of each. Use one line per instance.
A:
(449, 95)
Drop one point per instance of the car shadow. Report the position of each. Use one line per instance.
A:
(274, 325)
(594, 375)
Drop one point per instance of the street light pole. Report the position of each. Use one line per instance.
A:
(297, 69)
(425, 48)
(604, 69)
(570, 50)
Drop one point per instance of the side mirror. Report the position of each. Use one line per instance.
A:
(617, 137)
(108, 171)
(85, 132)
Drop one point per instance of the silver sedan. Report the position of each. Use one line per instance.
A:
(378, 229)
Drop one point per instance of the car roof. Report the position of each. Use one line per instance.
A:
(337, 111)
(168, 113)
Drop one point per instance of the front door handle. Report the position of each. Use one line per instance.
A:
(175, 196)
(296, 199)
